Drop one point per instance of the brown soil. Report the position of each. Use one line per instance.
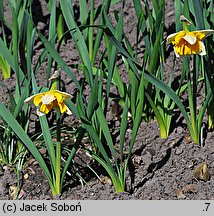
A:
(159, 168)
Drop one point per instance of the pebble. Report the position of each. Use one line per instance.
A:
(178, 151)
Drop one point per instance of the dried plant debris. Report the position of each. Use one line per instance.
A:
(202, 172)
(181, 193)
(106, 180)
(16, 193)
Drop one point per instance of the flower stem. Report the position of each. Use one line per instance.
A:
(58, 155)
(58, 165)
(184, 24)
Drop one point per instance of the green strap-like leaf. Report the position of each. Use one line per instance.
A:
(58, 58)
(9, 119)
(78, 37)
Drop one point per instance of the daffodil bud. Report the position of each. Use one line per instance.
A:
(54, 79)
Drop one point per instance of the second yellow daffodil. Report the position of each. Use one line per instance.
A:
(189, 42)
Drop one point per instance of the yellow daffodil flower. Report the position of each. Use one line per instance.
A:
(187, 43)
(50, 100)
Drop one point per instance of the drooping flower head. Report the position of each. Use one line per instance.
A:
(50, 100)
(186, 42)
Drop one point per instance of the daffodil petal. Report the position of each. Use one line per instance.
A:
(59, 97)
(39, 113)
(37, 100)
(62, 107)
(176, 54)
(46, 108)
(207, 32)
(190, 39)
(64, 94)
(29, 99)
(203, 51)
(48, 98)
(171, 37)
(68, 111)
